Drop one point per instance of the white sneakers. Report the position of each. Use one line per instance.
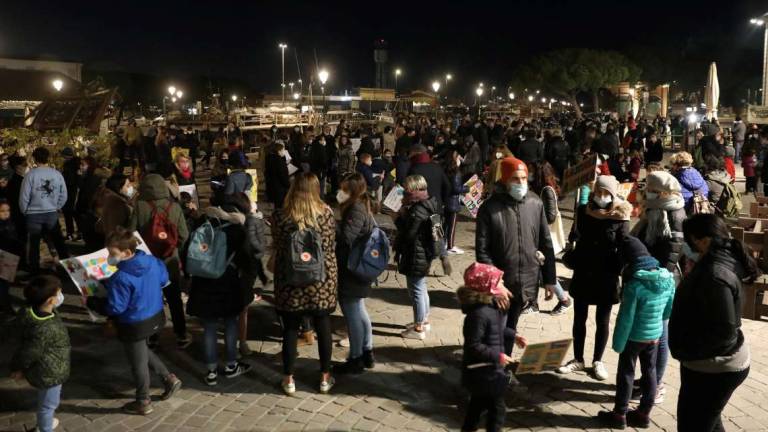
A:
(455, 251)
(571, 367)
(289, 389)
(411, 333)
(326, 386)
(601, 374)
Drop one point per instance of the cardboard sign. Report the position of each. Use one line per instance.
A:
(9, 263)
(192, 191)
(394, 199)
(253, 194)
(624, 190)
(542, 357)
(474, 198)
(578, 175)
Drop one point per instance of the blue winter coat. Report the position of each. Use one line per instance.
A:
(646, 303)
(458, 189)
(691, 181)
(237, 182)
(135, 292)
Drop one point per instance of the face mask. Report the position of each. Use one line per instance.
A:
(651, 195)
(499, 155)
(130, 191)
(113, 260)
(602, 202)
(517, 191)
(688, 252)
(59, 299)
(341, 196)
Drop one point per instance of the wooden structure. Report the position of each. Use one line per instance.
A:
(85, 111)
(752, 231)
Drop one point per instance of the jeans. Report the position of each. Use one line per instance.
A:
(602, 330)
(625, 376)
(703, 397)
(172, 295)
(231, 331)
(142, 359)
(322, 325)
(47, 401)
(513, 315)
(44, 225)
(559, 291)
(359, 325)
(739, 145)
(417, 290)
(494, 418)
(662, 356)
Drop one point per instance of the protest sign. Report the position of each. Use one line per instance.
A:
(474, 198)
(192, 191)
(394, 199)
(253, 194)
(624, 190)
(9, 263)
(542, 357)
(578, 175)
(356, 142)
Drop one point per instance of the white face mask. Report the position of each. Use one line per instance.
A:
(59, 299)
(341, 196)
(113, 260)
(130, 191)
(602, 201)
(499, 155)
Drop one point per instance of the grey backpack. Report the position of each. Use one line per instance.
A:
(305, 263)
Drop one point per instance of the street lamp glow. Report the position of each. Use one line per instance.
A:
(757, 21)
(323, 75)
(581, 104)
(398, 72)
(538, 91)
(172, 90)
(543, 100)
(234, 98)
(435, 86)
(512, 96)
(493, 88)
(530, 98)
(479, 91)
(481, 84)
(58, 84)
(282, 45)
(448, 77)
(296, 96)
(173, 99)
(179, 94)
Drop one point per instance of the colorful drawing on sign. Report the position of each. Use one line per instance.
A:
(254, 193)
(474, 198)
(543, 356)
(578, 175)
(9, 263)
(394, 199)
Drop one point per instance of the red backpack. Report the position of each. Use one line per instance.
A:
(161, 235)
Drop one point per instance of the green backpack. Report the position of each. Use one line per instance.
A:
(729, 204)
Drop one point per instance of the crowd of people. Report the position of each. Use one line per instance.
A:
(677, 274)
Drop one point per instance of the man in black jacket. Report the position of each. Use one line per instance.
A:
(530, 151)
(511, 228)
(318, 161)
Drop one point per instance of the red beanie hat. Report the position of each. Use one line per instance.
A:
(509, 165)
(483, 278)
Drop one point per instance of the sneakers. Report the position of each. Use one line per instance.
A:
(612, 419)
(571, 367)
(601, 374)
(529, 308)
(288, 388)
(637, 394)
(352, 366)
(236, 369)
(184, 341)
(172, 385)
(368, 360)
(447, 269)
(138, 407)
(54, 425)
(211, 378)
(425, 326)
(326, 386)
(411, 333)
(561, 308)
(344, 343)
(638, 419)
(455, 251)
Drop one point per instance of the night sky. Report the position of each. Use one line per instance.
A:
(475, 41)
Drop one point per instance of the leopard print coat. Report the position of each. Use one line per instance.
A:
(314, 298)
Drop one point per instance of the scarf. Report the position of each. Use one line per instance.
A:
(186, 173)
(656, 222)
(414, 197)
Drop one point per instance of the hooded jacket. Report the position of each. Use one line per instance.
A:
(355, 225)
(413, 233)
(44, 353)
(691, 182)
(509, 232)
(42, 191)
(135, 291)
(646, 302)
(716, 182)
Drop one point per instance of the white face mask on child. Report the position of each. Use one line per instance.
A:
(59, 299)
(341, 196)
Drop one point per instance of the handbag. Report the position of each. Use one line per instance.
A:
(557, 233)
(701, 205)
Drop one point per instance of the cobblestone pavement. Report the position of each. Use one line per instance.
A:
(415, 385)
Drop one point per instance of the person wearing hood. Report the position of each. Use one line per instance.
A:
(705, 327)
(347, 158)
(135, 304)
(413, 254)
(154, 196)
(483, 299)
(511, 228)
(115, 204)
(646, 304)
(691, 181)
(716, 177)
(276, 174)
(223, 300)
(598, 232)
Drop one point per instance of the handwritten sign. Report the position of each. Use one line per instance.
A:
(394, 199)
(9, 263)
(578, 175)
(474, 198)
(356, 143)
(542, 357)
(253, 194)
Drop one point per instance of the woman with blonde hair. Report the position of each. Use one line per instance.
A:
(305, 213)
(182, 170)
(691, 181)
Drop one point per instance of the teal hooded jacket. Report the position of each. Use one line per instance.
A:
(646, 303)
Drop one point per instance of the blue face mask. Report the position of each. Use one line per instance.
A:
(517, 191)
(688, 252)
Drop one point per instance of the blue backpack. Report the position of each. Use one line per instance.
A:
(207, 253)
(369, 256)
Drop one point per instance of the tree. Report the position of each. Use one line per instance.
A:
(567, 72)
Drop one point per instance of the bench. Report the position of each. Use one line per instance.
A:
(752, 306)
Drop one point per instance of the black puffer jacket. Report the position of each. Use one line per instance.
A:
(509, 233)
(413, 233)
(549, 199)
(356, 224)
(706, 314)
(485, 326)
(597, 265)
(530, 151)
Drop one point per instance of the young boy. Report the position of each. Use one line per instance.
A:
(483, 299)
(43, 357)
(647, 302)
(135, 302)
(9, 242)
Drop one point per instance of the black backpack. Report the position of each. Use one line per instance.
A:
(305, 263)
(435, 236)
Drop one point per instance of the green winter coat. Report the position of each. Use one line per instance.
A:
(646, 303)
(43, 356)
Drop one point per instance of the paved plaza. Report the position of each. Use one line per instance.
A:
(415, 385)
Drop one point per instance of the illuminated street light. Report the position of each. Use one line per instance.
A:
(448, 77)
(58, 84)
(290, 84)
(296, 96)
(282, 47)
(179, 94)
(234, 98)
(543, 100)
(173, 99)
(479, 91)
(172, 90)
(761, 22)
(530, 98)
(538, 91)
(398, 72)
(323, 75)
(581, 104)
(481, 84)
(436, 86)
(512, 96)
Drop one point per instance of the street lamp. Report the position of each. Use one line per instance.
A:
(530, 98)
(179, 94)
(290, 84)
(172, 90)
(234, 98)
(761, 22)
(436, 88)
(397, 74)
(448, 77)
(323, 75)
(295, 96)
(282, 58)
(58, 84)
(511, 96)
(173, 99)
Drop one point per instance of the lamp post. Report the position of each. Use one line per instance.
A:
(172, 90)
(290, 84)
(397, 75)
(57, 84)
(761, 22)
(493, 91)
(282, 59)
(323, 75)
(479, 93)
(436, 88)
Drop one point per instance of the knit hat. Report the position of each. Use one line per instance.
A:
(636, 255)
(509, 165)
(608, 183)
(483, 278)
(662, 181)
